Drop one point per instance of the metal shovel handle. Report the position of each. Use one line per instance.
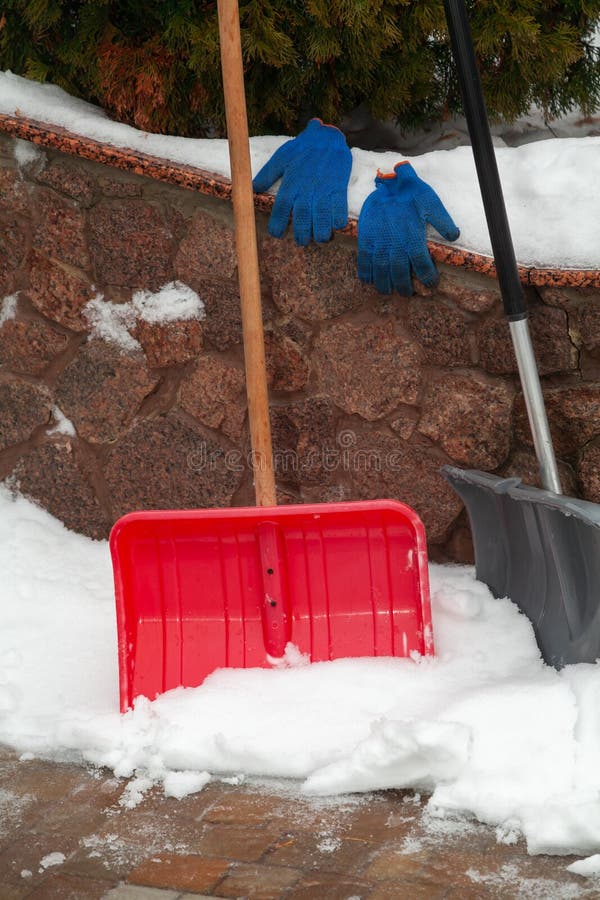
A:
(247, 252)
(513, 297)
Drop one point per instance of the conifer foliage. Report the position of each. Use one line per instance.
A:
(155, 63)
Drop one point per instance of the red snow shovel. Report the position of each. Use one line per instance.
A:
(197, 590)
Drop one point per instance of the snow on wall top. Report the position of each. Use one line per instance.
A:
(551, 187)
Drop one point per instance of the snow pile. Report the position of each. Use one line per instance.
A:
(173, 302)
(115, 322)
(485, 725)
(181, 784)
(586, 867)
(548, 185)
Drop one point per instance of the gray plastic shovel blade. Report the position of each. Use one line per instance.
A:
(542, 550)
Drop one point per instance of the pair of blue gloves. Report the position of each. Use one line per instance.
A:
(315, 170)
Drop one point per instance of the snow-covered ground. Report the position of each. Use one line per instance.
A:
(485, 726)
(551, 187)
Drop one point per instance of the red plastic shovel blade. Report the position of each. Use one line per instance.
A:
(197, 590)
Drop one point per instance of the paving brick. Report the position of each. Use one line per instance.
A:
(22, 808)
(262, 845)
(17, 813)
(237, 842)
(46, 781)
(469, 892)
(408, 890)
(509, 871)
(120, 843)
(379, 822)
(331, 816)
(154, 833)
(318, 886)
(452, 865)
(193, 807)
(136, 892)
(185, 873)
(59, 886)
(324, 851)
(69, 817)
(26, 853)
(257, 882)
(392, 864)
(14, 892)
(112, 861)
(198, 897)
(98, 790)
(244, 808)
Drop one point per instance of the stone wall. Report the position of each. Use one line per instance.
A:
(370, 395)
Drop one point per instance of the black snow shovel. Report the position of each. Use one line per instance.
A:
(533, 545)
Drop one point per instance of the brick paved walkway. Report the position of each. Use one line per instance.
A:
(64, 836)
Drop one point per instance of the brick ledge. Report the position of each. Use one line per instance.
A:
(192, 178)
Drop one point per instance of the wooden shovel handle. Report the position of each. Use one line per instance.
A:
(247, 253)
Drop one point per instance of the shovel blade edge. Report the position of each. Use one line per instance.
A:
(542, 550)
(198, 590)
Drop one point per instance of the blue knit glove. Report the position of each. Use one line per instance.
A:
(314, 169)
(392, 229)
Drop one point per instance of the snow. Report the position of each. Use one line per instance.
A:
(62, 424)
(52, 859)
(26, 154)
(490, 731)
(181, 784)
(550, 186)
(112, 322)
(586, 867)
(509, 883)
(115, 322)
(8, 308)
(174, 301)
